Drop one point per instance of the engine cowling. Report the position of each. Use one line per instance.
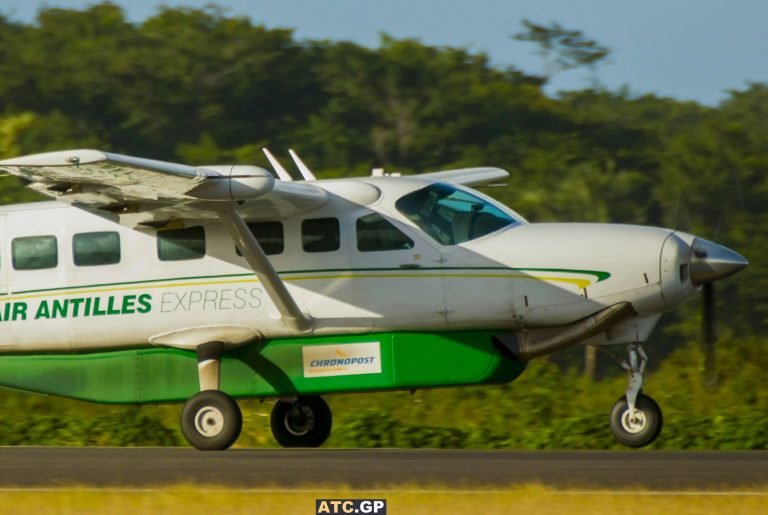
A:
(233, 183)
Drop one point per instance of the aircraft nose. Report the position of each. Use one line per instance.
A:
(712, 262)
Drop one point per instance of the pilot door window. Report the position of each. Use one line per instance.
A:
(320, 235)
(375, 233)
(34, 252)
(181, 244)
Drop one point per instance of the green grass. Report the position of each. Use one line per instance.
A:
(536, 499)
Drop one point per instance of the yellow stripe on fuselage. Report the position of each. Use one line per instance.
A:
(581, 283)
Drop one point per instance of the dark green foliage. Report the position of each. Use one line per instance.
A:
(197, 86)
(374, 428)
(128, 428)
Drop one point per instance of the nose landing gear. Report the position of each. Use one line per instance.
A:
(636, 419)
(638, 427)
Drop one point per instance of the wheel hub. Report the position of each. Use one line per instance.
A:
(209, 421)
(299, 420)
(633, 422)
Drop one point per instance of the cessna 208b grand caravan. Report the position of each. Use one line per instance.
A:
(153, 282)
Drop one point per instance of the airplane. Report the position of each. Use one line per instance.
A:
(149, 282)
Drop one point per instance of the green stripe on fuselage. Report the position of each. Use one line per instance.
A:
(600, 276)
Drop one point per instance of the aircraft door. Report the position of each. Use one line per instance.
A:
(5, 261)
(397, 275)
(479, 291)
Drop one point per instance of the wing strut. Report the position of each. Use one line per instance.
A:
(262, 267)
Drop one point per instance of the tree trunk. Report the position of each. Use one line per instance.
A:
(590, 361)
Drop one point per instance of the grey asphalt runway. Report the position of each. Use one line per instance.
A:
(252, 468)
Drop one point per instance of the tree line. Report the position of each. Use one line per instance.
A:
(199, 86)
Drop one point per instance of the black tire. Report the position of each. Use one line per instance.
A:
(211, 421)
(303, 423)
(641, 432)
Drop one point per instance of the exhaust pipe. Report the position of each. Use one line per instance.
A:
(523, 346)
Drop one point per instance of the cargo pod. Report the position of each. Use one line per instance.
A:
(379, 361)
(278, 368)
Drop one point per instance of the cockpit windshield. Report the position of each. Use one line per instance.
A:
(452, 216)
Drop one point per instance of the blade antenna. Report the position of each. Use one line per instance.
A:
(282, 173)
(305, 172)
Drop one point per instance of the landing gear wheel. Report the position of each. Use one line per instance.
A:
(211, 421)
(638, 429)
(305, 422)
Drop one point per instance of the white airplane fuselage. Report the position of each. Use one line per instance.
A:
(521, 276)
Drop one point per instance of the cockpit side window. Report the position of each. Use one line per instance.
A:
(452, 216)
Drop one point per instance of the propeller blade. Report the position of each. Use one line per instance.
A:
(708, 329)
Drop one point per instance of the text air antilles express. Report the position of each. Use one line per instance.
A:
(153, 282)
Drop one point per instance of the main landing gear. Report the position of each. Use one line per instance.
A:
(303, 422)
(636, 419)
(211, 420)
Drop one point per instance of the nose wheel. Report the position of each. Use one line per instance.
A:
(636, 419)
(304, 422)
(638, 427)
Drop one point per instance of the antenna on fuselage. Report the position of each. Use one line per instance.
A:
(281, 172)
(305, 172)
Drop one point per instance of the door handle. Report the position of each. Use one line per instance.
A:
(410, 266)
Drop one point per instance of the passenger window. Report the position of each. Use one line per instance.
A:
(180, 244)
(320, 235)
(375, 233)
(35, 252)
(269, 235)
(96, 248)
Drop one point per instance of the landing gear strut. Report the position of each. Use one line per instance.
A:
(303, 422)
(210, 420)
(636, 419)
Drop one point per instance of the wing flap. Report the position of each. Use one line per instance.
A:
(140, 191)
(113, 175)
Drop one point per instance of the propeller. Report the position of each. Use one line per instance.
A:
(711, 262)
(708, 331)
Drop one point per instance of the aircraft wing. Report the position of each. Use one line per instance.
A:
(136, 191)
(468, 176)
(142, 192)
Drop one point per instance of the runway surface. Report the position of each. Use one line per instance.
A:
(258, 468)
